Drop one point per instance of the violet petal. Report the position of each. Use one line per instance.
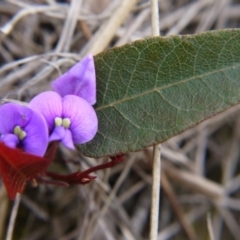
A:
(36, 140)
(67, 140)
(11, 115)
(11, 140)
(57, 134)
(84, 122)
(49, 104)
(80, 80)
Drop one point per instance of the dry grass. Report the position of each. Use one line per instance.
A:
(42, 39)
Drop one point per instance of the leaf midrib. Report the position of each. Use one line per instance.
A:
(161, 88)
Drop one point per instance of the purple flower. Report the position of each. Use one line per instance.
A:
(22, 127)
(70, 119)
(80, 80)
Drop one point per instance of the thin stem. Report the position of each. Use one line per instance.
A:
(114, 160)
(13, 217)
(81, 177)
(157, 149)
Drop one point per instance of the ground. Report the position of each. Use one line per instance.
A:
(200, 167)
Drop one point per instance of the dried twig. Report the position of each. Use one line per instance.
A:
(13, 217)
(105, 34)
(177, 208)
(210, 227)
(156, 172)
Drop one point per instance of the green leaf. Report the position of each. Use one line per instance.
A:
(153, 89)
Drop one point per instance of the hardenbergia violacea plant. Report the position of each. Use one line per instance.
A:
(122, 100)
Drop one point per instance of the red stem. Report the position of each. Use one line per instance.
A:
(84, 177)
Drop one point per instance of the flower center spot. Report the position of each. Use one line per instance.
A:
(58, 121)
(22, 135)
(19, 132)
(65, 122)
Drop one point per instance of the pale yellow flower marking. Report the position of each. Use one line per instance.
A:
(19, 132)
(65, 122)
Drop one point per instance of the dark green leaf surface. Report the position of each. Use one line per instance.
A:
(153, 89)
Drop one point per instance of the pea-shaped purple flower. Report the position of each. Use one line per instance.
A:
(22, 127)
(80, 80)
(71, 119)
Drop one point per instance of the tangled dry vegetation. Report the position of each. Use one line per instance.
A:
(40, 39)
